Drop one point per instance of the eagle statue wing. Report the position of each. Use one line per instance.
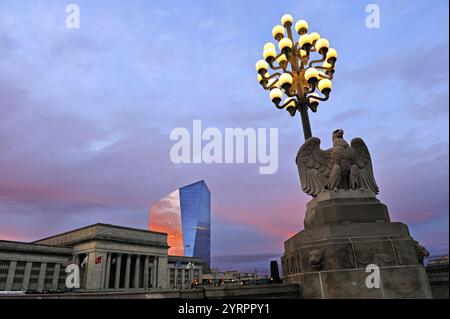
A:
(364, 162)
(313, 166)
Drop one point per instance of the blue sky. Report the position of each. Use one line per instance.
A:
(86, 114)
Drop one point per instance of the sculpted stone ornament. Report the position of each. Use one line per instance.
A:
(422, 252)
(316, 259)
(343, 166)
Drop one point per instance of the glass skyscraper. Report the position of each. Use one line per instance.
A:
(185, 215)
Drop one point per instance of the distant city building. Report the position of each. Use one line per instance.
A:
(185, 215)
(274, 271)
(437, 271)
(233, 277)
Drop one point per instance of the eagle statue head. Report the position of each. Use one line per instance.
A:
(338, 138)
(339, 133)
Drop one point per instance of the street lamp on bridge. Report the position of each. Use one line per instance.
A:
(297, 74)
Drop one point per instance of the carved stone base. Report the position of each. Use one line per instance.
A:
(345, 232)
(345, 207)
(396, 283)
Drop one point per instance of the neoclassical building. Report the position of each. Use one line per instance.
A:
(109, 258)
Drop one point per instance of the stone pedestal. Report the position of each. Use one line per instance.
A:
(344, 232)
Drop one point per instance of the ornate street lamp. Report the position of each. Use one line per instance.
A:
(297, 75)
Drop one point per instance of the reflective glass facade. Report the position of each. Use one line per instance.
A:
(185, 215)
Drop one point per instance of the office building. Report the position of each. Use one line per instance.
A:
(185, 215)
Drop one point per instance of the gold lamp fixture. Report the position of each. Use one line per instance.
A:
(303, 79)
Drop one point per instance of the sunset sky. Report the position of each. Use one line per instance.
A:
(86, 114)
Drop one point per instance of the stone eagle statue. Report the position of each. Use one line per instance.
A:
(340, 167)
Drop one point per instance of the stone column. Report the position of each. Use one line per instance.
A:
(11, 273)
(175, 281)
(183, 278)
(190, 274)
(26, 276)
(41, 280)
(146, 273)
(127, 272)
(137, 267)
(108, 271)
(118, 265)
(56, 276)
(97, 270)
(155, 272)
(162, 272)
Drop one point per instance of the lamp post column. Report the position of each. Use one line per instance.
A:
(300, 90)
(305, 122)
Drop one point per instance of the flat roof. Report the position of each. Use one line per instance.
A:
(103, 231)
(8, 245)
(100, 224)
